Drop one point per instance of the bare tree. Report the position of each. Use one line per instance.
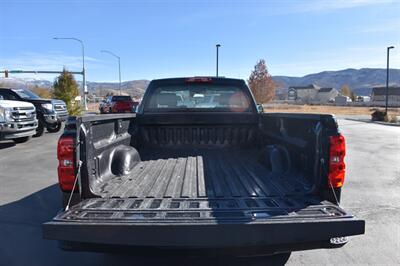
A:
(261, 83)
(346, 90)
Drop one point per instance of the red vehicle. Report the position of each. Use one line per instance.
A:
(117, 104)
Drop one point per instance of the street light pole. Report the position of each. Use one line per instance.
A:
(218, 45)
(83, 67)
(119, 66)
(387, 79)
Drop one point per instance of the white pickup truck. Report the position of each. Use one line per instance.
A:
(17, 120)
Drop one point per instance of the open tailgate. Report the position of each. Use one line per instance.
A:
(202, 223)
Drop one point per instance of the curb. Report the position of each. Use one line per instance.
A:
(374, 122)
(386, 123)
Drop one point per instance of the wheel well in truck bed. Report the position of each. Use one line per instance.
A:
(121, 151)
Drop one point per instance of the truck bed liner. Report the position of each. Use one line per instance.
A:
(201, 174)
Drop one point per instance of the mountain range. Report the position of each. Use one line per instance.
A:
(360, 81)
(134, 88)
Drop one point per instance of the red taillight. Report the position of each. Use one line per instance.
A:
(337, 167)
(66, 163)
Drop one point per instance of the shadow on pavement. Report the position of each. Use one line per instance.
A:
(6, 144)
(21, 241)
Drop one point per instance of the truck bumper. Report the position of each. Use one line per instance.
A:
(13, 130)
(56, 117)
(62, 116)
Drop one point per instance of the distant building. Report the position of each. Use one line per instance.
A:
(326, 95)
(281, 96)
(304, 94)
(379, 96)
(342, 100)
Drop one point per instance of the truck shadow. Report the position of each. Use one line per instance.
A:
(6, 144)
(21, 241)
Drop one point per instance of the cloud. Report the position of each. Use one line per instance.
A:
(352, 57)
(288, 7)
(52, 61)
(48, 61)
(325, 5)
(383, 26)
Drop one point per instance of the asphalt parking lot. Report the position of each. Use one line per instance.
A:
(29, 196)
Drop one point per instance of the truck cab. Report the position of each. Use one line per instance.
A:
(50, 112)
(17, 120)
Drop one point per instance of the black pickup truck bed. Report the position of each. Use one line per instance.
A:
(194, 193)
(173, 177)
(199, 174)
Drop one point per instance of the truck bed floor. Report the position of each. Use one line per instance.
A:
(201, 174)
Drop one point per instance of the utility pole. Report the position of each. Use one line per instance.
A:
(83, 67)
(387, 79)
(218, 45)
(119, 66)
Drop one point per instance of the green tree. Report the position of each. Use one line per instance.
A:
(261, 83)
(66, 89)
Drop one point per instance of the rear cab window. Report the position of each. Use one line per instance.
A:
(121, 99)
(204, 96)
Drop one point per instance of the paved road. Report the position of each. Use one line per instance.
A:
(29, 196)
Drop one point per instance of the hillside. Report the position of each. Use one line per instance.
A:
(360, 80)
(134, 88)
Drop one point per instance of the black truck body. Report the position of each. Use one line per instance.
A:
(249, 182)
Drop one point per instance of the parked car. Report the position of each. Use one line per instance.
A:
(50, 112)
(226, 177)
(362, 98)
(17, 120)
(117, 104)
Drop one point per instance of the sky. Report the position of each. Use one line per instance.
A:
(158, 39)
